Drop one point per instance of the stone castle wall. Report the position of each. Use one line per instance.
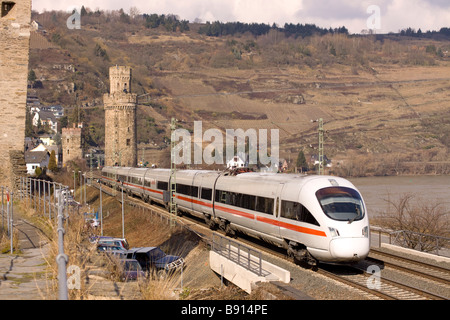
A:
(15, 18)
(120, 119)
(71, 145)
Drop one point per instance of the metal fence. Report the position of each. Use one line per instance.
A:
(244, 256)
(8, 215)
(412, 240)
(53, 199)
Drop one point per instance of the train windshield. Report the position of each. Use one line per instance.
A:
(341, 203)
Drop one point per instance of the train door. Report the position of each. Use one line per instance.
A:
(278, 200)
(196, 183)
(276, 231)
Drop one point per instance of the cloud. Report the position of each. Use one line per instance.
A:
(394, 14)
(329, 9)
(439, 3)
(423, 14)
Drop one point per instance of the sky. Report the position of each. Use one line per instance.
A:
(382, 16)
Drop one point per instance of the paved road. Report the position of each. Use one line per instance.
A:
(23, 276)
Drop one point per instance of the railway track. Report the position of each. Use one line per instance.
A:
(377, 284)
(431, 272)
(356, 276)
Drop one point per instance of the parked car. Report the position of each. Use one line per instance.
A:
(93, 223)
(153, 259)
(130, 269)
(111, 249)
(114, 242)
(109, 240)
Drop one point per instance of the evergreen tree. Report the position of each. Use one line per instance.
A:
(52, 166)
(29, 132)
(301, 160)
(37, 171)
(31, 76)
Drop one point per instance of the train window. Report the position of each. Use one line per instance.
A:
(181, 188)
(248, 202)
(223, 197)
(341, 203)
(241, 200)
(206, 193)
(264, 205)
(147, 182)
(296, 211)
(162, 185)
(136, 180)
(187, 190)
(194, 191)
(191, 191)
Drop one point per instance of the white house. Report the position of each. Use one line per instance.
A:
(235, 162)
(315, 160)
(34, 159)
(57, 110)
(40, 147)
(36, 26)
(46, 117)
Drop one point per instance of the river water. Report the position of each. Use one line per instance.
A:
(428, 189)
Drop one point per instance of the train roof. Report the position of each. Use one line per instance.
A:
(270, 176)
(249, 176)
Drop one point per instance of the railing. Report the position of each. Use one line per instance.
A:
(413, 240)
(244, 256)
(7, 214)
(38, 195)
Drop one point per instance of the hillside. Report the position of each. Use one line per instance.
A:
(385, 99)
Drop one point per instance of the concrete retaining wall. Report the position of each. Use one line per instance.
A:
(244, 278)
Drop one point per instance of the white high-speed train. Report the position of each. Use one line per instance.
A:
(316, 218)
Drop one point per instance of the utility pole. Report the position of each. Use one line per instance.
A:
(90, 169)
(321, 131)
(173, 172)
(320, 146)
(123, 216)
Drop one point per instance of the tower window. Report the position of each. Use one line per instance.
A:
(7, 7)
(128, 142)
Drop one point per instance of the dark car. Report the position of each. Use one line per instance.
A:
(153, 259)
(130, 269)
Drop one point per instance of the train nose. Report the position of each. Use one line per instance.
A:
(349, 249)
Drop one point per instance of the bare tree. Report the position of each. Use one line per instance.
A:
(134, 12)
(420, 221)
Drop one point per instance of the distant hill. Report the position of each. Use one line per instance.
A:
(384, 98)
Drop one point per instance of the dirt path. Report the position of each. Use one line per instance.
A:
(24, 275)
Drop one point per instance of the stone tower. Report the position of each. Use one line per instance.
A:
(71, 144)
(15, 17)
(120, 119)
